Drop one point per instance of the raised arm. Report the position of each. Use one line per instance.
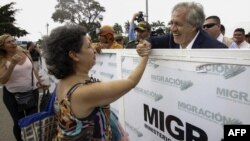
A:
(103, 93)
(131, 34)
(5, 72)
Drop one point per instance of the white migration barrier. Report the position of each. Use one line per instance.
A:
(183, 95)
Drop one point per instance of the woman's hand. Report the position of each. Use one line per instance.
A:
(16, 59)
(40, 84)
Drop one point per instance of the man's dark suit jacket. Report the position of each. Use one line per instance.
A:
(203, 41)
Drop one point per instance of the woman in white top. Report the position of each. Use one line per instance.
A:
(16, 75)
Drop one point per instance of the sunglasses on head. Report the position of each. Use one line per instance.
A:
(209, 25)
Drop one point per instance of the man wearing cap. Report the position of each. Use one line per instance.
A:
(119, 39)
(106, 38)
(143, 29)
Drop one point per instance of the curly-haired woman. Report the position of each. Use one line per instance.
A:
(82, 103)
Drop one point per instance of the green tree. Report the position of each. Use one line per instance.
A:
(158, 24)
(167, 29)
(126, 26)
(7, 16)
(117, 28)
(83, 12)
(158, 28)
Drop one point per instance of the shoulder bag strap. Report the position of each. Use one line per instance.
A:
(32, 79)
(50, 107)
(32, 83)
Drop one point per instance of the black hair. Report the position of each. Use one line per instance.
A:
(240, 30)
(222, 28)
(61, 41)
(216, 18)
(28, 45)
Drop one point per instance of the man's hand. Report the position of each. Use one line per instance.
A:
(143, 48)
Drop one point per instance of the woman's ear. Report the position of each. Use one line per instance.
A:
(73, 56)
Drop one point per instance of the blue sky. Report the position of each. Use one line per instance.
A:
(35, 14)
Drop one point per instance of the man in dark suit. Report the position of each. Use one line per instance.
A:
(186, 30)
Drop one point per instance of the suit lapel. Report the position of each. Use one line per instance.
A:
(199, 40)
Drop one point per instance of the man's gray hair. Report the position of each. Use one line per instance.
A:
(195, 13)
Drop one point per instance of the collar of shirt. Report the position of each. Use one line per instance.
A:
(220, 38)
(243, 45)
(189, 46)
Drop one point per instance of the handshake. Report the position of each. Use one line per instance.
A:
(143, 48)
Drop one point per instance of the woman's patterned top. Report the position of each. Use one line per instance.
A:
(95, 127)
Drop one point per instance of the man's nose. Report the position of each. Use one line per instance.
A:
(173, 28)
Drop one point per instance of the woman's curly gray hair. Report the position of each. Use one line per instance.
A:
(57, 46)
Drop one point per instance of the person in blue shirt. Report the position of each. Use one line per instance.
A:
(140, 31)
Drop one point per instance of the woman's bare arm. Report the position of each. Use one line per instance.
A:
(103, 93)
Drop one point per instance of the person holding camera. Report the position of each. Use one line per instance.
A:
(143, 29)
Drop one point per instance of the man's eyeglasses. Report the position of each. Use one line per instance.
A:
(206, 26)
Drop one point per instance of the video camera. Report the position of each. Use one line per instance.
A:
(140, 17)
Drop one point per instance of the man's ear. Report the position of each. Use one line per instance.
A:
(194, 28)
(73, 56)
